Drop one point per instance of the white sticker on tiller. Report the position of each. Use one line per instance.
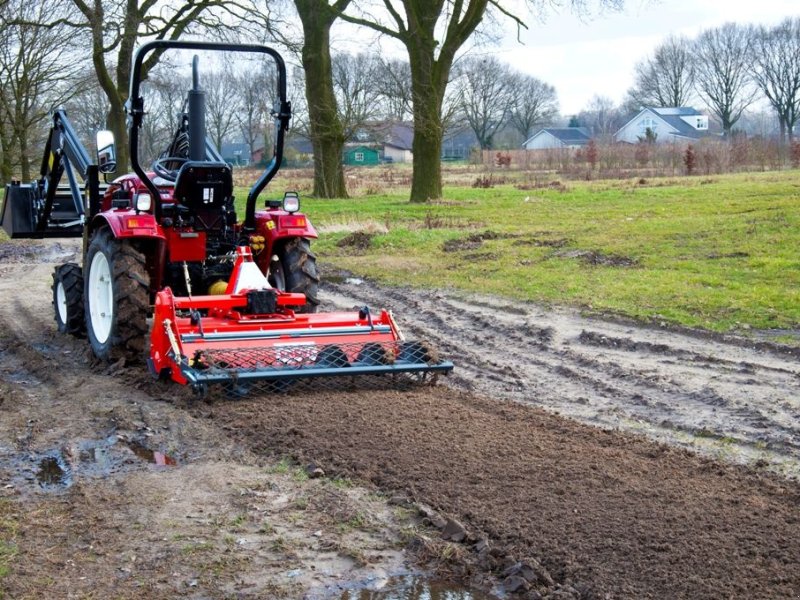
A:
(294, 354)
(208, 195)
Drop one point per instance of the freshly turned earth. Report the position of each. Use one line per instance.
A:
(614, 512)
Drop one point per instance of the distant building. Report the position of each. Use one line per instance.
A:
(397, 140)
(671, 124)
(361, 156)
(458, 143)
(237, 154)
(558, 137)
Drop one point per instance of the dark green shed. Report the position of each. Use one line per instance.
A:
(361, 155)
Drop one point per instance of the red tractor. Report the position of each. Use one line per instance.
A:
(230, 301)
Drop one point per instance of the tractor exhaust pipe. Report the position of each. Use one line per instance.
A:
(197, 115)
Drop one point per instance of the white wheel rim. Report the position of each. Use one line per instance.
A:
(101, 297)
(61, 302)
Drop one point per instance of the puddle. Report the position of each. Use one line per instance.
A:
(354, 281)
(57, 470)
(415, 588)
(54, 472)
(151, 456)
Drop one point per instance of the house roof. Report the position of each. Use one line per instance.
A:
(566, 135)
(360, 149)
(672, 117)
(399, 135)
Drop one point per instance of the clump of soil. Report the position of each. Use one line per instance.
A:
(715, 255)
(542, 242)
(596, 258)
(473, 241)
(540, 185)
(358, 240)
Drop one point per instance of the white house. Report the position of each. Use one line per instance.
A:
(558, 137)
(672, 124)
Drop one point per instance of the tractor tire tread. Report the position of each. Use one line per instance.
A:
(300, 271)
(131, 274)
(71, 276)
(132, 295)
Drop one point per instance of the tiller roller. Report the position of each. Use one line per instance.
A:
(252, 334)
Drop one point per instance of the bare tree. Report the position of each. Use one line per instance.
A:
(535, 104)
(88, 108)
(722, 67)
(254, 108)
(776, 70)
(38, 72)
(357, 96)
(667, 77)
(167, 97)
(487, 96)
(223, 104)
(601, 116)
(394, 84)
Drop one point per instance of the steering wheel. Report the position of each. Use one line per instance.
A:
(161, 169)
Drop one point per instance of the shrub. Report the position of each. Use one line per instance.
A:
(689, 159)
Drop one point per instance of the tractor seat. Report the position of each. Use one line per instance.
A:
(205, 189)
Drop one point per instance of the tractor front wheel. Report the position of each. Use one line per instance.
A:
(300, 271)
(116, 297)
(68, 299)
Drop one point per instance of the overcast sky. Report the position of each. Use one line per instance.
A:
(584, 58)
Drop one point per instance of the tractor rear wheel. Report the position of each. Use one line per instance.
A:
(116, 297)
(68, 299)
(300, 272)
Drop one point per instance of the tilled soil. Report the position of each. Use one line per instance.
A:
(606, 513)
(610, 513)
(728, 397)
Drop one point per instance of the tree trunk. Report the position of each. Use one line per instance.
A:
(428, 93)
(24, 158)
(6, 168)
(426, 181)
(327, 133)
(117, 124)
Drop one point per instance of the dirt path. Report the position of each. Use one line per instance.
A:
(607, 514)
(729, 398)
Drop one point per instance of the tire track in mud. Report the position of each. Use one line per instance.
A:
(724, 397)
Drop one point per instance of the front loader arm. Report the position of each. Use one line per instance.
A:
(64, 153)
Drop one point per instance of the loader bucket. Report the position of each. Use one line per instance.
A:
(207, 340)
(22, 213)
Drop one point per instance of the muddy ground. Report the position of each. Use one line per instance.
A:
(552, 506)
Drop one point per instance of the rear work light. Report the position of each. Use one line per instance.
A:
(291, 202)
(143, 202)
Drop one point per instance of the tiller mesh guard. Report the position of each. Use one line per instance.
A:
(254, 337)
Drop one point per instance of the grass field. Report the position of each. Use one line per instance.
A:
(718, 253)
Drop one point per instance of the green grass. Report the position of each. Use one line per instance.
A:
(718, 254)
(9, 532)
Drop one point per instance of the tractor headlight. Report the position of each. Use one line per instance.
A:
(143, 202)
(291, 202)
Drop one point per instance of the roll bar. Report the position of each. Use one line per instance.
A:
(281, 113)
